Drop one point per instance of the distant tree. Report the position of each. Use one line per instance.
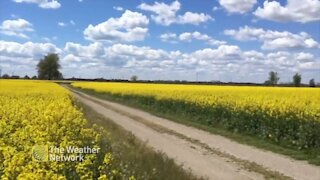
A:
(26, 77)
(267, 82)
(297, 80)
(312, 83)
(5, 76)
(48, 67)
(34, 77)
(15, 77)
(273, 78)
(134, 78)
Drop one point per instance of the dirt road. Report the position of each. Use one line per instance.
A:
(208, 155)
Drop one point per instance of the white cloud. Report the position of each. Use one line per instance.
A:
(142, 53)
(96, 59)
(189, 36)
(216, 8)
(305, 57)
(62, 24)
(224, 58)
(302, 11)
(131, 26)
(193, 18)
(91, 51)
(169, 37)
(17, 27)
(237, 6)
(166, 14)
(118, 8)
(22, 58)
(45, 4)
(28, 49)
(49, 39)
(274, 39)
(219, 55)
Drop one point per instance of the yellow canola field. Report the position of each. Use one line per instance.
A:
(301, 101)
(278, 113)
(42, 113)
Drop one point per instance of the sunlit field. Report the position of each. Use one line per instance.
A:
(42, 113)
(287, 116)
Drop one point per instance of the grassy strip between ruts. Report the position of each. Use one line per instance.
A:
(133, 155)
(310, 155)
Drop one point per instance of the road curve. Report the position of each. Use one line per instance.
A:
(205, 154)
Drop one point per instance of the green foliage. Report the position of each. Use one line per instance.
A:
(273, 78)
(312, 83)
(297, 80)
(48, 68)
(134, 78)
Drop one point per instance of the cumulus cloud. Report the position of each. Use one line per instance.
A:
(22, 58)
(93, 50)
(188, 37)
(305, 57)
(28, 49)
(237, 6)
(17, 27)
(45, 4)
(169, 37)
(274, 39)
(218, 55)
(131, 26)
(97, 59)
(302, 11)
(222, 59)
(166, 14)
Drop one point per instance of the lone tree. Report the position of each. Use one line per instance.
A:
(312, 83)
(297, 80)
(273, 78)
(48, 67)
(134, 78)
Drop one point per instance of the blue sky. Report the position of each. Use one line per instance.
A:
(228, 40)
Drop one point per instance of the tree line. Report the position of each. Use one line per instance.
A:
(296, 80)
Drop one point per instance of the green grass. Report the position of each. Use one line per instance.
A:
(133, 156)
(310, 155)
